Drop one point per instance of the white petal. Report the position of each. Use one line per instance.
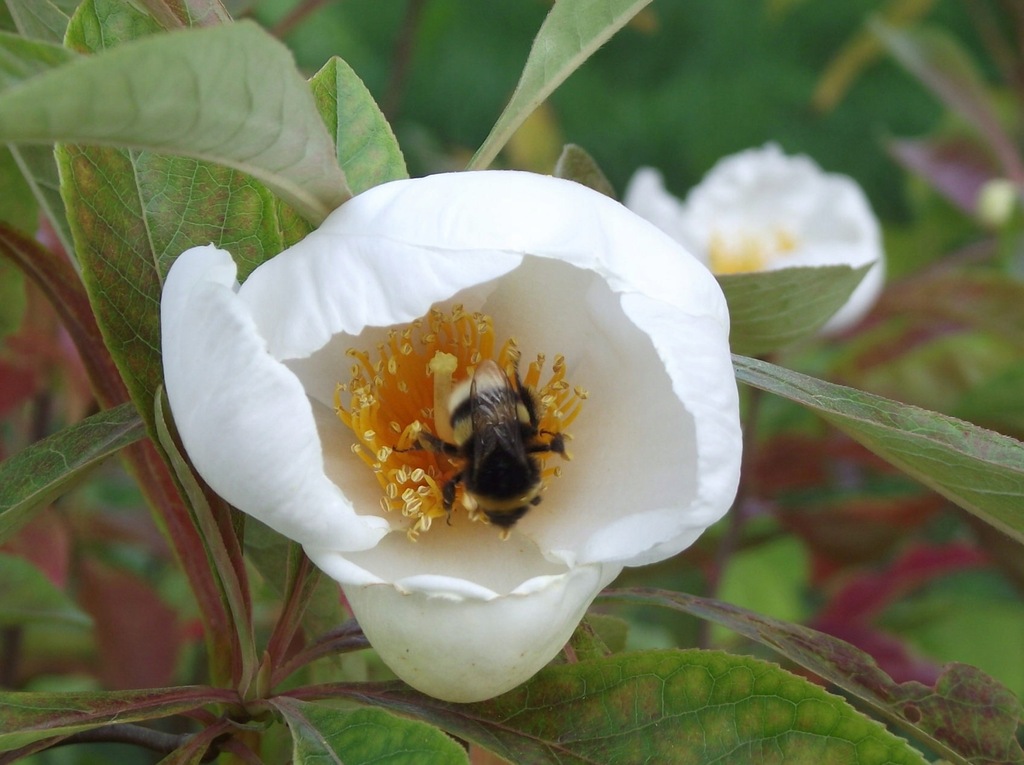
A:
(388, 254)
(470, 649)
(243, 417)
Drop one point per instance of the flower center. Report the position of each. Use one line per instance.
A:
(746, 251)
(400, 411)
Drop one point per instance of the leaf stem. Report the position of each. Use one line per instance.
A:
(347, 637)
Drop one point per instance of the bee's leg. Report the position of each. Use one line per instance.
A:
(556, 444)
(431, 443)
(448, 495)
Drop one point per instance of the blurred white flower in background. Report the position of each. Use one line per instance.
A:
(294, 391)
(762, 210)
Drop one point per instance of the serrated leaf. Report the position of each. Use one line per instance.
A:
(39, 474)
(662, 706)
(570, 34)
(325, 734)
(967, 716)
(769, 310)
(29, 597)
(29, 717)
(575, 164)
(221, 105)
(366, 146)
(978, 469)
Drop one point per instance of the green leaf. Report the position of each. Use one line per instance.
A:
(326, 734)
(29, 717)
(570, 34)
(29, 597)
(17, 206)
(662, 706)
(771, 309)
(39, 19)
(133, 212)
(967, 717)
(38, 167)
(575, 164)
(203, 93)
(366, 146)
(979, 470)
(39, 474)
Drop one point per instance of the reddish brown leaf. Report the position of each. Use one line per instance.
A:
(137, 633)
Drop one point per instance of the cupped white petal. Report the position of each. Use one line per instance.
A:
(471, 649)
(243, 417)
(461, 614)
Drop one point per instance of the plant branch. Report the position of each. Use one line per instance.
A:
(347, 637)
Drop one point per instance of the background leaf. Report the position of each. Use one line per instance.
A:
(367, 149)
(43, 471)
(29, 717)
(657, 706)
(219, 104)
(967, 716)
(575, 164)
(771, 309)
(979, 470)
(326, 734)
(572, 31)
(30, 597)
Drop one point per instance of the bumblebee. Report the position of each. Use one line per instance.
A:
(494, 426)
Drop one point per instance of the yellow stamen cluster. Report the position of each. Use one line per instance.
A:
(392, 399)
(748, 251)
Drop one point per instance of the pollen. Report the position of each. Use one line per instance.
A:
(402, 390)
(747, 251)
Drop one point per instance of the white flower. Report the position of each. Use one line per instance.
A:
(453, 608)
(762, 210)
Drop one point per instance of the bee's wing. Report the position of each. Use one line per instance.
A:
(493, 408)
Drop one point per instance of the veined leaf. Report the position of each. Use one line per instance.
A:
(570, 34)
(217, 94)
(967, 717)
(29, 717)
(978, 469)
(363, 737)
(367, 149)
(656, 706)
(771, 309)
(42, 472)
